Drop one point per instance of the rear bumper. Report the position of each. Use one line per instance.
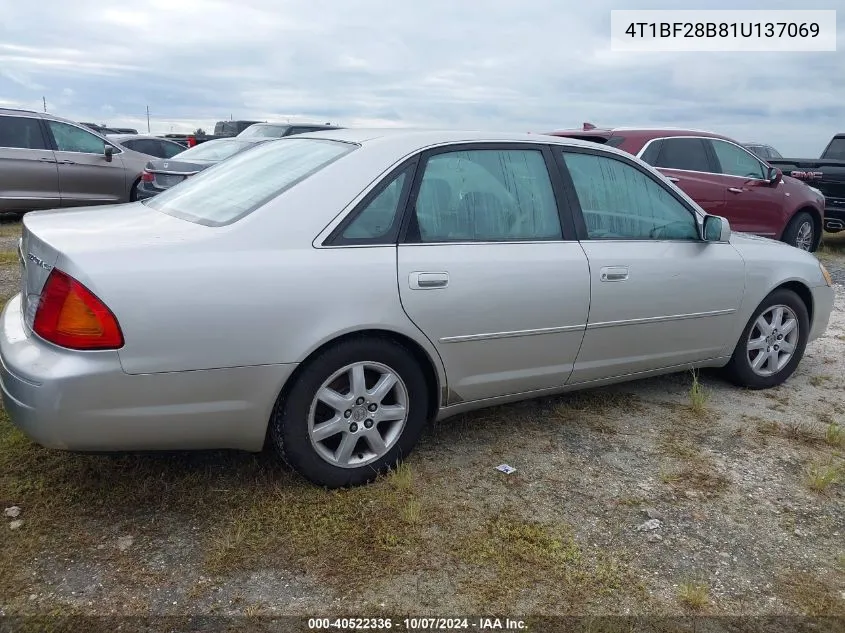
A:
(85, 401)
(822, 308)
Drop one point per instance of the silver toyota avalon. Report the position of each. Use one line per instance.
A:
(335, 291)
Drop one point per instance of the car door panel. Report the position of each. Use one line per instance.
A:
(85, 176)
(706, 189)
(754, 205)
(659, 296)
(486, 275)
(29, 177)
(676, 305)
(509, 318)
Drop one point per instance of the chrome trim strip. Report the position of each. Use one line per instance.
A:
(172, 173)
(660, 319)
(511, 334)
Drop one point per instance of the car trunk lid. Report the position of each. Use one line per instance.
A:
(167, 173)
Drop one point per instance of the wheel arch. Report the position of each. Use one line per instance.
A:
(435, 386)
(802, 290)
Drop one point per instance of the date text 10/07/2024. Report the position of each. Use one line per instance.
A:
(501, 625)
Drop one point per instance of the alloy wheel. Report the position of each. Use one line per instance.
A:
(773, 340)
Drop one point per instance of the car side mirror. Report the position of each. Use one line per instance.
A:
(716, 229)
(774, 175)
(108, 152)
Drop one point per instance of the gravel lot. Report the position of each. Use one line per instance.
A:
(645, 498)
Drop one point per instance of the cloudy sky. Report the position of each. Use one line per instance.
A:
(493, 64)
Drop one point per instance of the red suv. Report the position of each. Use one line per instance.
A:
(725, 179)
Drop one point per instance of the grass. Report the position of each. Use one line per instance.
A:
(809, 595)
(819, 380)
(695, 596)
(821, 476)
(10, 229)
(834, 435)
(593, 408)
(565, 576)
(697, 396)
(8, 258)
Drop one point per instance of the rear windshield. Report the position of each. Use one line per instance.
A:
(234, 188)
(213, 150)
(264, 131)
(836, 149)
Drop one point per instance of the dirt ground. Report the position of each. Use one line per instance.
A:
(666, 496)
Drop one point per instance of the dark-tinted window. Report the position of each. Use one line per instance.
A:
(683, 153)
(21, 132)
(147, 146)
(170, 149)
(652, 152)
(379, 216)
(836, 149)
(773, 153)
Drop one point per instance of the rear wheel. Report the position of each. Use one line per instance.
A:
(352, 413)
(133, 193)
(801, 232)
(772, 343)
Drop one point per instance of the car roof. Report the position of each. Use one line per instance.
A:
(119, 138)
(415, 138)
(639, 132)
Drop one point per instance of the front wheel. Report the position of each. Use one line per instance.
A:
(801, 232)
(353, 412)
(772, 343)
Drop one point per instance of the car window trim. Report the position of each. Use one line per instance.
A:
(575, 203)
(561, 201)
(336, 237)
(54, 146)
(695, 171)
(40, 126)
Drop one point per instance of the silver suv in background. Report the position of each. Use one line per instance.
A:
(48, 162)
(278, 130)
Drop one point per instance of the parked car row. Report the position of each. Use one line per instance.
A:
(47, 161)
(369, 282)
(53, 162)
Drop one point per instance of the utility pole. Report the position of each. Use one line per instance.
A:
(148, 119)
(44, 99)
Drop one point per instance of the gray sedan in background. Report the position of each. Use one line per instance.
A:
(345, 287)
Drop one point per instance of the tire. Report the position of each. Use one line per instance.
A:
(133, 193)
(801, 232)
(740, 369)
(352, 454)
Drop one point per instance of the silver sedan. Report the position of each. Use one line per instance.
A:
(335, 291)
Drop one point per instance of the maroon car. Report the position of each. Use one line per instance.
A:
(725, 179)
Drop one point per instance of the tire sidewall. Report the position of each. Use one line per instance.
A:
(740, 365)
(289, 429)
(791, 232)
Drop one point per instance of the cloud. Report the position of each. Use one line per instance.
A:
(535, 65)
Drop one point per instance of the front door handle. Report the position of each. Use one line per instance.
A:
(426, 281)
(614, 273)
(47, 160)
(734, 190)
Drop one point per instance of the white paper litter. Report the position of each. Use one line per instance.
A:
(504, 468)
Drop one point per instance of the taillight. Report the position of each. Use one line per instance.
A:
(192, 141)
(69, 315)
(147, 176)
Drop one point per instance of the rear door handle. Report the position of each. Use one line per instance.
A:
(734, 190)
(427, 281)
(673, 179)
(66, 162)
(614, 273)
(47, 160)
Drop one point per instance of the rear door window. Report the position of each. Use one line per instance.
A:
(21, 133)
(689, 154)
